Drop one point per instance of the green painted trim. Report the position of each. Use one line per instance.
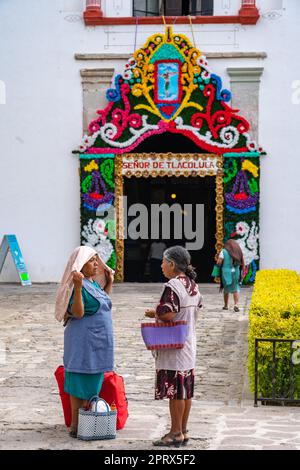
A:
(92, 156)
(242, 154)
(165, 52)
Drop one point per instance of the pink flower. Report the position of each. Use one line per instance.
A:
(94, 126)
(163, 124)
(125, 88)
(135, 121)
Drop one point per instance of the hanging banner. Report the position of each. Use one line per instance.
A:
(10, 243)
(159, 165)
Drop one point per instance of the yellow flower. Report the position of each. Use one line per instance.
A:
(137, 90)
(91, 166)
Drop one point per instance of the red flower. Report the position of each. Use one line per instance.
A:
(135, 121)
(197, 120)
(241, 196)
(243, 126)
(172, 125)
(207, 91)
(96, 195)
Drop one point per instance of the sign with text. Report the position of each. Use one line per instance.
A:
(10, 243)
(170, 166)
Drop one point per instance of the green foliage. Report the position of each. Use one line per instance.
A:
(107, 168)
(274, 313)
(112, 262)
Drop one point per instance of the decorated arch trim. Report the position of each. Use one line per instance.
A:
(167, 86)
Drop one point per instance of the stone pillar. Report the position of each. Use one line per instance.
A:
(95, 82)
(244, 83)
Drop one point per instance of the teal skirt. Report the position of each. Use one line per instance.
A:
(234, 286)
(83, 386)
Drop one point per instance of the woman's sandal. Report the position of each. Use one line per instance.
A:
(186, 437)
(225, 308)
(163, 442)
(236, 308)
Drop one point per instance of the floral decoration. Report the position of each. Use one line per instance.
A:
(168, 87)
(97, 197)
(241, 211)
(194, 104)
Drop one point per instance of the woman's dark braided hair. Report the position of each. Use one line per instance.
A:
(182, 260)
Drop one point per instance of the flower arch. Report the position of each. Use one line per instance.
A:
(167, 86)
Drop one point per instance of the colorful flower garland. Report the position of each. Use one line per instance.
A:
(200, 110)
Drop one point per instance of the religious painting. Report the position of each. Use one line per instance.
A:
(167, 81)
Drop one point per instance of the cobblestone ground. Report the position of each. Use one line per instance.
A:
(223, 416)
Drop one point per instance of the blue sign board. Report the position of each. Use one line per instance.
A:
(10, 243)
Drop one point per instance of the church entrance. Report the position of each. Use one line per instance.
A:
(168, 136)
(190, 222)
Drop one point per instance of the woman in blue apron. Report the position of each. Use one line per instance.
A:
(232, 264)
(88, 336)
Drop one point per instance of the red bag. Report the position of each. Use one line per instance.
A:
(112, 391)
(65, 397)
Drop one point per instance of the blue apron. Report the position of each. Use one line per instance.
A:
(88, 341)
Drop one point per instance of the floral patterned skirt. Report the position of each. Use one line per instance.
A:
(174, 384)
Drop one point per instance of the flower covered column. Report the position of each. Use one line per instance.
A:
(241, 208)
(97, 205)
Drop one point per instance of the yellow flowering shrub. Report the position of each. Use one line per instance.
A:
(274, 313)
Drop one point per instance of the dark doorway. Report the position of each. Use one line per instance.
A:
(168, 142)
(170, 190)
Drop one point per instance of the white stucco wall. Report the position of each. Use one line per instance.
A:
(41, 122)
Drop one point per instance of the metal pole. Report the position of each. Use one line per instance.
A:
(255, 372)
(274, 370)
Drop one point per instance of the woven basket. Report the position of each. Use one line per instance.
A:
(164, 335)
(93, 425)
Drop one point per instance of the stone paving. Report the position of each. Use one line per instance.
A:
(223, 416)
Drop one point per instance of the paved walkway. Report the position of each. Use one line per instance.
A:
(223, 416)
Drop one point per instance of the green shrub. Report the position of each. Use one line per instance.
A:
(274, 313)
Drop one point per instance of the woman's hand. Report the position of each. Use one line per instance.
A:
(150, 313)
(67, 317)
(77, 279)
(109, 276)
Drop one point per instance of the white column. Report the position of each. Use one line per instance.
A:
(95, 83)
(244, 83)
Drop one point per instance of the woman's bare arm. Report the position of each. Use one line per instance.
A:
(166, 316)
(77, 308)
(151, 313)
(220, 261)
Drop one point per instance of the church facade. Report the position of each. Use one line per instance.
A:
(181, 108)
